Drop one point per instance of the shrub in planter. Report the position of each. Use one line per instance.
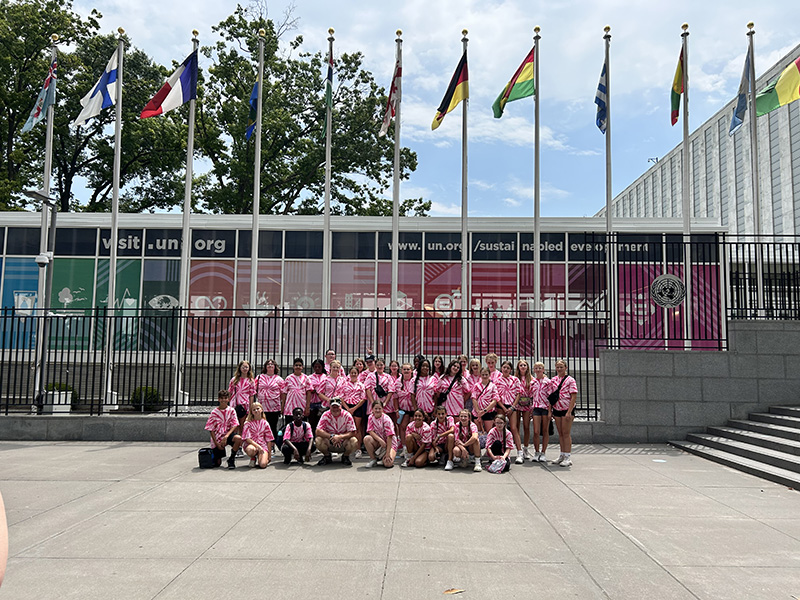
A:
(64, 387)
(146, 398)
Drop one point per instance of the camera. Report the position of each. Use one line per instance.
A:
(43, 259)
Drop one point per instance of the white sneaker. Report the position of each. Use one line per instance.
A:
(380, 453)
(542, 457)
(478, 467)
(526, 453)
(449, 466)
(252, 462)
(357, 454)
(456, 460)
(240, 453)
(567, 462)
(405, 463)
(372, 463)
(561, 458)
(519, 460)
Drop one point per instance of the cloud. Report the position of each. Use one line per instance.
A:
(512, 202)
(445, 210)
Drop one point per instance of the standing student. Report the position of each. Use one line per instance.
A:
(394, 369)
(381, 386)
(257, 436)
(222, 424)
(405, 398)
(484, 401)
(452, 389)
(500, 442)
(242, 388)
(354, 396)
(524, 406)
(298, 390)
(369, 372)
(564, 410)
(331, 385)
(542, 411)
(491, 364)
(425, 386)
(418, 440)
(472, 378)
(317, 379)
(360, 365)
(465, 435)
(330, 356)
(297, 438)
(437, 370)
(442, 428)
(381, 441)
(508, 389)
(270, 388)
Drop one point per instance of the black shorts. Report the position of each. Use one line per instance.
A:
(561, 413)
(540, 412)
(241, 411)
(361, 411)
(489, 416)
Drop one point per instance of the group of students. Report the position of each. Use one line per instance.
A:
(432, 412)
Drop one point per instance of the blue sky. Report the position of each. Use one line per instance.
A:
(644, 52)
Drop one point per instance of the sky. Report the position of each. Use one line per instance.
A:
(645, 45)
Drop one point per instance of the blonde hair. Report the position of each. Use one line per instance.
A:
(250, 416)
(491, 356)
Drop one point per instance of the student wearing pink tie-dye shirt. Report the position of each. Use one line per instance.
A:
(419, 439)
(381, 441)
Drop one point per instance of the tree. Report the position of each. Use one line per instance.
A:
(293, 144)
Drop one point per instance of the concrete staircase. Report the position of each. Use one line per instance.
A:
(766, 445)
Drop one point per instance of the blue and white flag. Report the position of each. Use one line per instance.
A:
(741, 101)
(251, 118)
(102, 94)
(600, 99)
(47, 97)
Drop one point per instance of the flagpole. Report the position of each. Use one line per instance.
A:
(396, 192)
(687, 204)
(326, 234)
(537, 286)
(186, 247)
(754, 167)
(465, 299)
(256, 201)
(112, 266)
(611, 254)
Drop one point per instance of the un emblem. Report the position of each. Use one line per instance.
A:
(667, 291)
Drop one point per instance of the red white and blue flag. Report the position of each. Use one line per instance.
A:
(46, 97)
(179, 89)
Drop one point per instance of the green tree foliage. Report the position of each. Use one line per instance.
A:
(293, 140)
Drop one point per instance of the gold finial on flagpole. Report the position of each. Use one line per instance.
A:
(537, 29)
(121, 31)
(750, 25)
(262, 32)
(399, 32)
(195, 33)
(607, 28)
(54, 37)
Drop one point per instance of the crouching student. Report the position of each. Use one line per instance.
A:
(380, 441)
(466, 441)
(258, 437)
(419, 440)
(222, 424)
(442, 428)
(500, 442)
(296, 439)
(336, 432)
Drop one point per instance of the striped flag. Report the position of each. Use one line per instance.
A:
(600, 99)
(520, 86)
(677, 90)
(784, 90)
(391, 105)
(101, 95)
(179, 89)
(329, 83)
(251, 118)
(46, 97)
(457, 91)
(741, 100)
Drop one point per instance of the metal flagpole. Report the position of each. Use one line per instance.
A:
(537, 262)
(396, 192)
(754, 167)
(186, 248)
(465, 298)
(326, 234)
(687, 204)
(112, 265)
(251, 320)
(611, 247)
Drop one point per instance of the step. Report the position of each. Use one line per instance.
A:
(764, 455)
(787, 411)
(757, 439)
(776, 419)
(790, 433)
(752, 467)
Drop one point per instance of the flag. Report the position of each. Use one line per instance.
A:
(101, 95)
(329, 83)
(391, 105)
(457, 91)
(784, 90)
(46, 98)
(741, 101)
(179, 89)
(600, 99)
(520, 86)
(251, 119)
(677, 89)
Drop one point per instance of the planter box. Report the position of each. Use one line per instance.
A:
(57, 403)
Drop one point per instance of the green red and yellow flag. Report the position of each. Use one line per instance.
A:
(457, 91)
(521, 85)
(782, 91)
(677, 90)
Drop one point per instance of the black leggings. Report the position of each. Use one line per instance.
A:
(288, 453)
(272, 419)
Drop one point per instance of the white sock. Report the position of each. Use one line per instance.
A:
(567, 454)
(519, 452)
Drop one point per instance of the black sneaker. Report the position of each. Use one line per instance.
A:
(325, 460)
(301, 460)
(346, 461)
(231, 464)
(287, 459)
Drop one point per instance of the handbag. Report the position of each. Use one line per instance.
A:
(443, 397)
(499, 465)
(552, 397)
(382, 393)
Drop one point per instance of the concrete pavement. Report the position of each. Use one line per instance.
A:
(136, 520)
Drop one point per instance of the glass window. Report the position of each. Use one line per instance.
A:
(303, 244)
(351, 245)
(23, 240)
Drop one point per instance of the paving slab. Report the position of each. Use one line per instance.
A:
(740, 583)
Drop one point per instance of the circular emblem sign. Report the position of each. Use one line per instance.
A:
(667, 291)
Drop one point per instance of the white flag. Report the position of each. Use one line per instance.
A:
(391, 105)
(102, 94)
